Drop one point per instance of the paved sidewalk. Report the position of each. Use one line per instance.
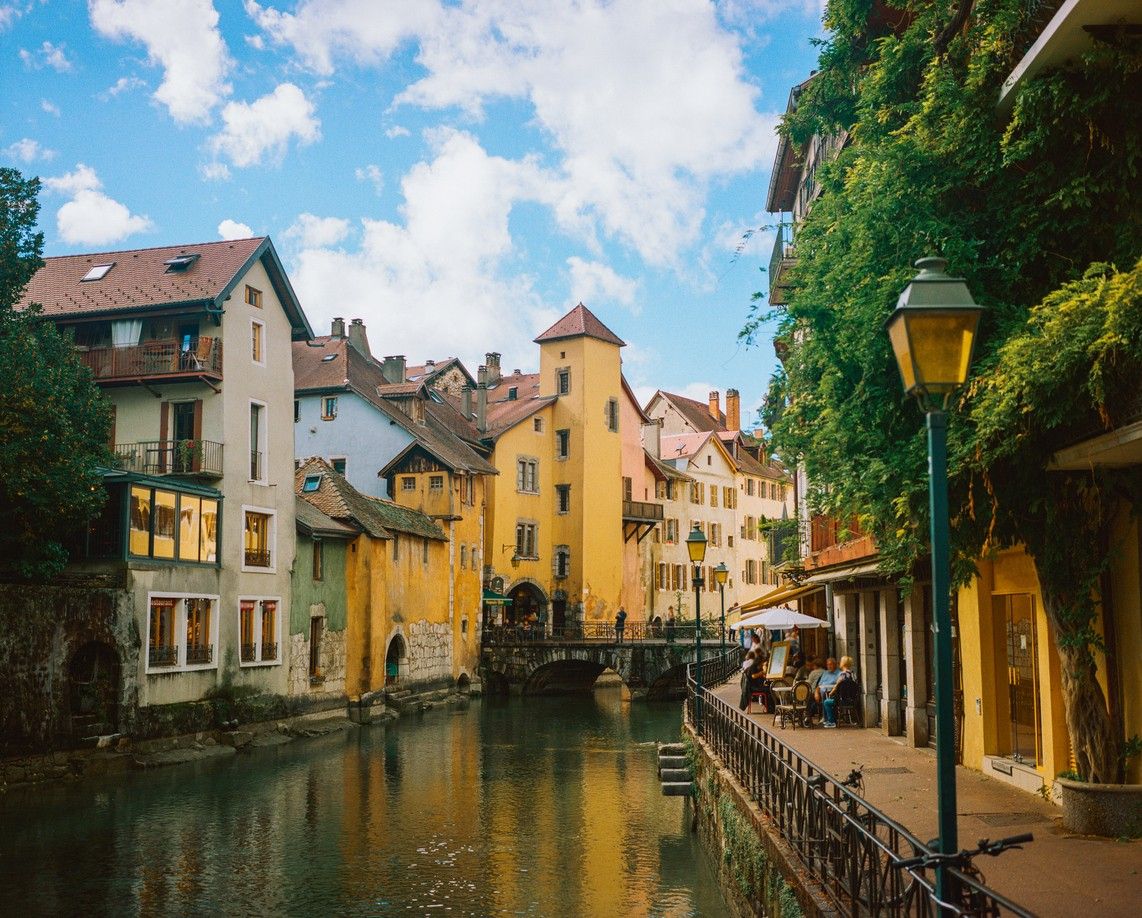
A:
(1058, 874)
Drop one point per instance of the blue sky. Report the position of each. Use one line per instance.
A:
(456, 174)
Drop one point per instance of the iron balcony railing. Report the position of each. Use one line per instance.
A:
(255, 465)
(150, 359)
(199, 653)
(257, 557)
(844, 843)
(598, 632)
(171, 457)
(250, 653)
(162, 656)
(779, 262)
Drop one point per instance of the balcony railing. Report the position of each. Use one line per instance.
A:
(199, 653)
(257, 557)
(255, 466)
(642, 511)
(780, 262)
(249, 653)
(155, 359)
(162, 656)
(171, 457)
(269, 653)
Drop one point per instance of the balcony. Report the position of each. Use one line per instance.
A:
(198, 654)
(163, 359)
(257, 557)
(639, 519)
(171, 457)
(782, 259)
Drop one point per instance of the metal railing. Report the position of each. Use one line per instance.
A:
(257, 557)
(155, 358)
(170, 457)
(779, 259)
(199, 653)
(598, 632)
(848, 846)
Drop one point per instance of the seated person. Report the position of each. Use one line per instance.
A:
(759, 682)
(813, 677)
(842, 688)
(798, 669)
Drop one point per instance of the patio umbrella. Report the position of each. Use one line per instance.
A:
(779, 618)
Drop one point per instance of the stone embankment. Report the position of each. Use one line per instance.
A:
(119, 754)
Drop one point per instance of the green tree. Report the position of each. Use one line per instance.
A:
(55, 422)
(1022, 208)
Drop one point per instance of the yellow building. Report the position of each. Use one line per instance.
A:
(554, 540)
(397, 631)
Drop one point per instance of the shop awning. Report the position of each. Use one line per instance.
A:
(492, 598)
(777, 597)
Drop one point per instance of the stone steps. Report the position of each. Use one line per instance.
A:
(674, 771)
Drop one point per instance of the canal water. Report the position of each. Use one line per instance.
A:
(537, 806)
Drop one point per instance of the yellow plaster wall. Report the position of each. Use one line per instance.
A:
(1126, 598)
(637, 571)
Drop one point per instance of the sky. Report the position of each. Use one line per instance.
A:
(456, 174)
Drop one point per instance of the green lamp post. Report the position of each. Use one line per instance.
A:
(696, 546)
(933, 333)
(721, 574)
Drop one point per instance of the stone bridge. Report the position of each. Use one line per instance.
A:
(649, 669)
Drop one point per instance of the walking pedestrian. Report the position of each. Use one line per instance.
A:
(670, 625)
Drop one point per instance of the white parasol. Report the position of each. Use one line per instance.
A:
(778, 618)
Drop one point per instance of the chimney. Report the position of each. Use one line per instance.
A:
(482, 400)
(338, 330)
(358, 338)
(492, 364)
(716, 406)
(733, 410)
(762, 449)
(652, 438)
(429, 366)
(393, 368)
(466, 402)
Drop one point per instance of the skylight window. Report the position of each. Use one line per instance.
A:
(311, 484)
(97, 272)
(436, 396)
(328, 357)
(180, 263)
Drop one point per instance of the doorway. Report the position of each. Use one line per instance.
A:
(1015, 614)
(93, 682)
(395, 659)
(182, 422)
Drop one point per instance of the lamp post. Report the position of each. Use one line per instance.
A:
(696, 546)
(933, 333)
(721, 574)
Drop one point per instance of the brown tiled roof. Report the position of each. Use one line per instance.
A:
(503, 416)
(580, 322)
(311, 371)
(421, 372)
(525, 384)
(696, 414)
(140, 281)
(312, 521)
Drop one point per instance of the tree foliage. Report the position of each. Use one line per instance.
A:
(54, 420)
(1021, 206)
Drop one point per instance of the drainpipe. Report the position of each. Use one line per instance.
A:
(832, 619)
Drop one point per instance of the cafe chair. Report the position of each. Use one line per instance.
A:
(848, 704)
(796, 708)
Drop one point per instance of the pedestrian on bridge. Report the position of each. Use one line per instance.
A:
(620, 624)
(670, 626)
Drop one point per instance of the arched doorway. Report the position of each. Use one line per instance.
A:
(396, 660)
(526, 599)
(93, 686)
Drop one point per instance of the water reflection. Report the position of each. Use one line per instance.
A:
(536, 807)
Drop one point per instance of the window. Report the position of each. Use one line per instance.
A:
(407, 483)
(563, 381)
(563, 498)
(257, 442)
(715, 534)
(750, 571)
(318, 559)
(660, 490)
(714, 496)
(537, 425)
(97, 272)
(729, 498)
(463, 557)
(613, 415)
(253, 297)
(316, 629)
(526, 540)
(257, 341)
(436, 483)
(562, 562)
(338, 464)
(671, 530)
(424, 554)
(562, 444)
(329, 407)
(311, 484)
(258, 551)
(170, 525)
(296, 410)
(772, 491)
(181, 632)
(469, 490)
(258, 621)
(527, 475)
(697, 492)
(396, 547)
(781, 493)
(749, 486)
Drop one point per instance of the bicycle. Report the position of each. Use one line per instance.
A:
(855, 781)
(973, 900)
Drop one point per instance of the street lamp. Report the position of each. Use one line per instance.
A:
(721, 574)
(696, 546)
(933, 333)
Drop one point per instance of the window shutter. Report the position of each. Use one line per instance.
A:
(164, 427)
(197, 452)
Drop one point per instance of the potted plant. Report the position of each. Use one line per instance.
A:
(1112, 810)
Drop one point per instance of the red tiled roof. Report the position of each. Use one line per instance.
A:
(312, 371)
(503, 416)
(525, 384)
(580, 322)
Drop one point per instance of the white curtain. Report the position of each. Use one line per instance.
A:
(126, 332)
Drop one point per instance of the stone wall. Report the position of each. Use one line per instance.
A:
(429, 653)
(332, 665)
(69, 654)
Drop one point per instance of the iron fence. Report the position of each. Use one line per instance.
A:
(847, 845)
(161, 457)
(597, 632)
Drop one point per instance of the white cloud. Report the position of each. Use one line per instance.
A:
(447, 273)
(122, 85)
(9, 13)
(373, 175)
(397, 131)
(214, 172)
(27, 150)
(91, 217)
(314, 232)
(668, 73)
(593, 281)
(182, 37)
(256, 42)
(50, 107)
(47, 55)
(266, 126)
(231, 229)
